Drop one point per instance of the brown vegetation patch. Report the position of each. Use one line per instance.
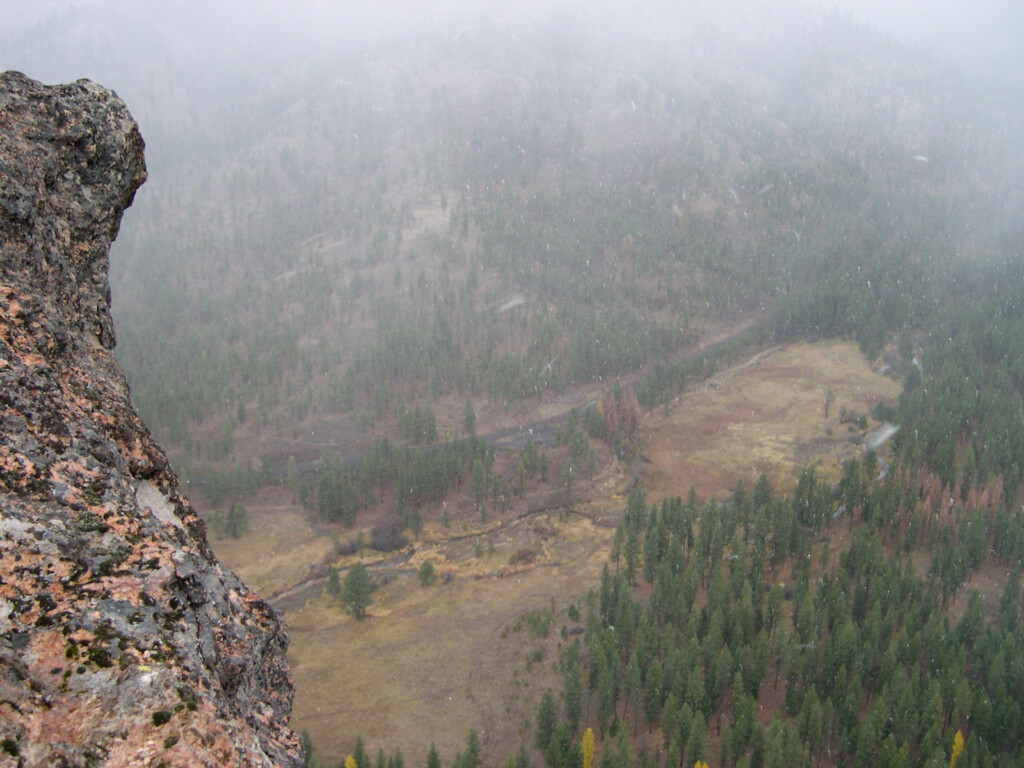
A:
(522, 557)
(433, 662)
(765, 416)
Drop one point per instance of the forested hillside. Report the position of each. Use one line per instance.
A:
(502, 208)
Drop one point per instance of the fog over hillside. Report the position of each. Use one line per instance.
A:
(983, 37)
(420, 286)
(268, 125)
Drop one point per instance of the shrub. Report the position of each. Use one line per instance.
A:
(348, 547)
(522, 557)
(387, 537)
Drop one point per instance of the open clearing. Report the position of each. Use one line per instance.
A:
(431, 663)
(765, 416)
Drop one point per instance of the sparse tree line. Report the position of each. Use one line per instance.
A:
(414, 478)
(470, 757)
(411, 477)
(234, 524)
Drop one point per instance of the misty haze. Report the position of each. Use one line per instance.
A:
(633, 385)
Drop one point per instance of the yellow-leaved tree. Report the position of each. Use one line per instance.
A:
(350, 762)
(588, 747)
(700, 764)
(958, 747)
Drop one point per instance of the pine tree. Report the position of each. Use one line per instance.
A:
(307, 749)
(547, 717)
(237, 522)
(573, 693)
(521, 759)
(470, 758)
(359, 755)
(426, 573)
(433, 758)
(355, 591)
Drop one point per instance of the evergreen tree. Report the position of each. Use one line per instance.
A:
(521, 759)
(426, 573)
(307, 749)
(355, 591)
(573, 691)
(547, 718)
(470, 757)
(561, 752)
(237, 522)
(359, 754)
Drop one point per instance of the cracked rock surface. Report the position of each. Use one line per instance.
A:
(123, 641)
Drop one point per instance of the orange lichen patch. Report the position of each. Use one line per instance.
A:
(136, 453)
(75, 721)
(79, 402)
(123, 588)
(48, 649)
(7, 313)
(155, 581)
(80, 636)
(12, 463)
(120, 524)
(29, 616)
(74, 474)
(32, 570)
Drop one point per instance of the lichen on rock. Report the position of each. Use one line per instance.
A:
(122, 640)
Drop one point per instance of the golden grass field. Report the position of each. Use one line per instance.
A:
(764, 416)
(431, 663)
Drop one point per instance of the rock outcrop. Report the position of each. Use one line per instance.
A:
(122, 640)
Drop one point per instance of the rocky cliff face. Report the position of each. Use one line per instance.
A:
(122, 640)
